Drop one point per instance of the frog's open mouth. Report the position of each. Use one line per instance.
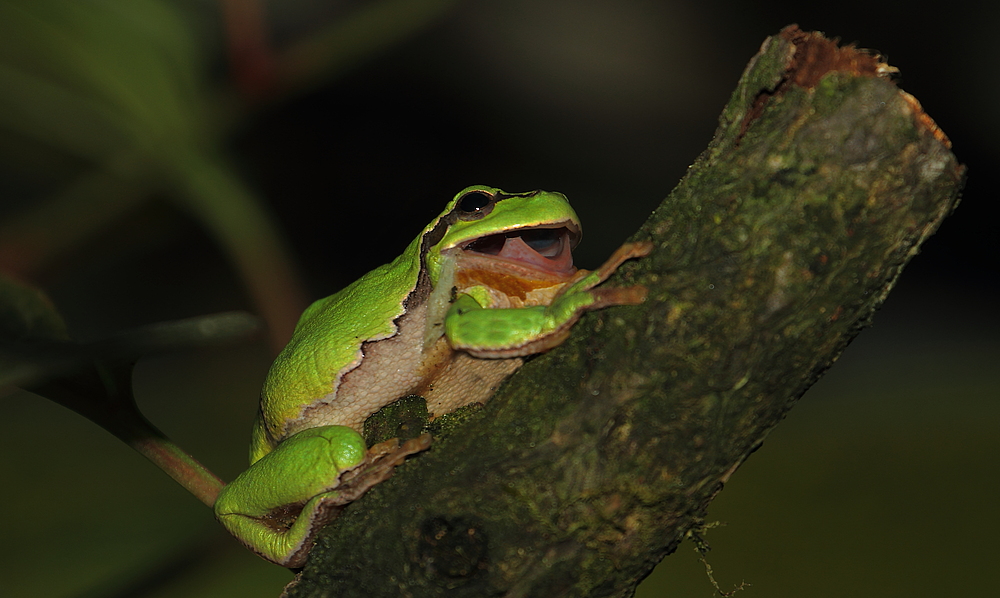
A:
(549, 250)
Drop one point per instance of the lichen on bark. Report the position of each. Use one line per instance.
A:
(594, 461)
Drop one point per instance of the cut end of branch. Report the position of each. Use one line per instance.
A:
(924, 121)
(814, 56)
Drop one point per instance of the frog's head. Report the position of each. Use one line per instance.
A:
(529, 235)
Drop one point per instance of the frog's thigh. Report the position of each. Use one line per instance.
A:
(466, 380)
(302, 466)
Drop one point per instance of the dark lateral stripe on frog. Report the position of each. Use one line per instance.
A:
(423, 287)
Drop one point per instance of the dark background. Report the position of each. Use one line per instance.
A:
(881, 482)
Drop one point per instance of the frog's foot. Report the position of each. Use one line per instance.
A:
(624, 253)
(606, 297)
(382, 459)
(378, 466)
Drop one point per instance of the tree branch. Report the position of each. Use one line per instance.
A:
(594, 462)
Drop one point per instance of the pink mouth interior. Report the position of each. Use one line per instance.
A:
(547, 249)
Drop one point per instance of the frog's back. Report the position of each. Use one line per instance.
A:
(327, 344)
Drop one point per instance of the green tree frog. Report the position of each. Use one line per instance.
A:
(486, 283)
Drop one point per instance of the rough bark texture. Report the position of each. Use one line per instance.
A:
(771, 255)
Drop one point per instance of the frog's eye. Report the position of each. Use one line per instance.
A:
(475, 204)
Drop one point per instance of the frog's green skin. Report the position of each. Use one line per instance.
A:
(449, 320)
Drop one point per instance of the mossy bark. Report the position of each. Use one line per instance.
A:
(595, 460)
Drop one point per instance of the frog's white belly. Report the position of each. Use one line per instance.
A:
(398, 366)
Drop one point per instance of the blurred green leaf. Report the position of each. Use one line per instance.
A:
(123, 87)
(34, 344)
(95, 379)
(121, 84)
(96, 77)
(178, 335)
(26, 313)
(33, 338)
(27, 362)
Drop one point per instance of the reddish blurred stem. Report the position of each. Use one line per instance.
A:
(108, 402)
(248, 41)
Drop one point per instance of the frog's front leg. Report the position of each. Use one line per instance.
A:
(277, 505)
(514, 332)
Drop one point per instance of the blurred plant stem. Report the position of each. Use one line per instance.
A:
(95, 379)
(236, 217)
(86, 205)
(248, 43)
(107, 400)
(346, 43)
